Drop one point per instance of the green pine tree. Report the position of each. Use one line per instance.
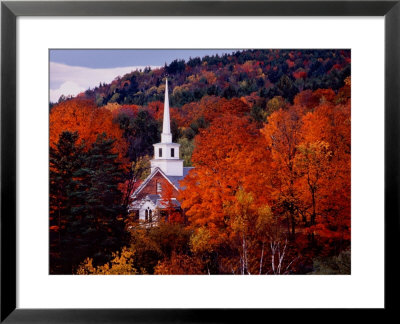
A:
(99, 215)
(86, 211)
(65, 159)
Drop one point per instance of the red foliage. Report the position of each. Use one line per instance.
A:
(300, 74)
(84, 117)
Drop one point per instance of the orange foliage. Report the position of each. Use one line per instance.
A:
(211, 107)
(282, 134)
(311, 99)
(234, 106)
(156, 109)
(311, 163)
(299, 164)
(188, 113)
(84, 117)
(229, 155)
(179, 264)
(169, 204)
(331, 124)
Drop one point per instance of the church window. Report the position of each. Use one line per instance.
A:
(160, 152)
(159, 188)
(146, 215)
(150, 216)
(172, 152)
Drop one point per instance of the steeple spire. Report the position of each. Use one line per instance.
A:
(166, 153)
(166, 136)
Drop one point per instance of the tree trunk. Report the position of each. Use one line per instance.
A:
(261, 259)
(293, 227)
(313, 215)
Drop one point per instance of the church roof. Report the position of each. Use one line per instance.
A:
(153, 198)
(137, 204)
(162, 204)
(175, 179)
(157, 201)
(145, 182)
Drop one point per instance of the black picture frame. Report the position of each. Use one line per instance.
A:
(11, 10)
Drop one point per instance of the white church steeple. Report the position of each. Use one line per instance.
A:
(166, 136)
(166, 153)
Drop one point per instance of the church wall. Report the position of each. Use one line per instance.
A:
(142, 211)
(151, 187)
(172, 167)
(166, 150)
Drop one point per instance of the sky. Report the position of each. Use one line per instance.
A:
(73, 71)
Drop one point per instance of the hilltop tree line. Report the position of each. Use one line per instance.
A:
(267, 73)
(271, 189)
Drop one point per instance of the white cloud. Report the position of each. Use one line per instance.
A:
(66, 89)
(71, 80)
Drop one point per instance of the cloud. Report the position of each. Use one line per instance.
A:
(66, 89)
(71, 80)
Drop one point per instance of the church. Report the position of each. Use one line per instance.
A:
(161, 188)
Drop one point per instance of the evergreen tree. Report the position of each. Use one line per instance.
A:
(99, 216)
(87, 216)
(65, 159)
(142, 134)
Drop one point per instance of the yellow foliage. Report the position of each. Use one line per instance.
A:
(200, 241)
(161, 89)
(112, 106)
(275, 104)
(121, 264)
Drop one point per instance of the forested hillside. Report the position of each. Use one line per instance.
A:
(268, 132)
(266, 73)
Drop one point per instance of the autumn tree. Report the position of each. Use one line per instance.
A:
(88, 120)
(282, 134)
(121, 264)
(170, 210)
(249, 227)
(229, 156)
(224, 161)
(268, 73)
(326, 153)
(179, 264)
(268, 132)
(312, 163)
(217, 109)
(158, 244)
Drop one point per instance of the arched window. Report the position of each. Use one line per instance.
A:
(148, 215)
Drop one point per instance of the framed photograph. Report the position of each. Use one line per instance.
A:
(194, 161)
